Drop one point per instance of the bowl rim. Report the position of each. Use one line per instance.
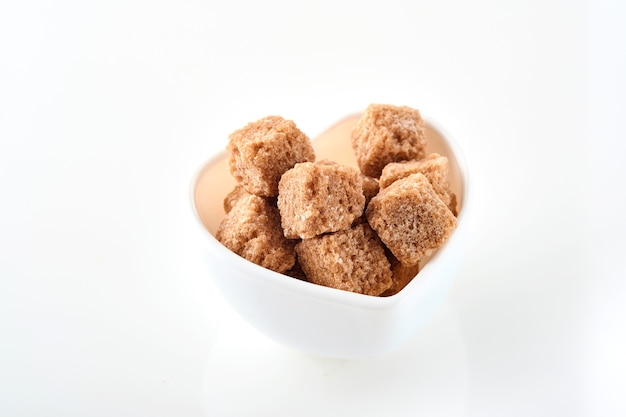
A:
(333, 295)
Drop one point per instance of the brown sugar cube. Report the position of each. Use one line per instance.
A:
(434, 167)
(370, 187)
(385, 134)
(262, 151)
(319, 198)
(235, 195)
(401, 275)
(410, 218)
(252, 230)
(352, 260)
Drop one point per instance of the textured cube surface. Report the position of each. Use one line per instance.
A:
(263, 150)
(401, 275)
(410, 218)
(385, 134)
(252, 230)
(352, 260)
(434, 167)
(233, 197)
(319, 198)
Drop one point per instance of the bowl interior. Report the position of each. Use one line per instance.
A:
(214, 181)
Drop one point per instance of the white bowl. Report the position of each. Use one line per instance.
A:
(313, 318)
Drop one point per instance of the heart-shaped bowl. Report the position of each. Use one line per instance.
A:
(313, 318)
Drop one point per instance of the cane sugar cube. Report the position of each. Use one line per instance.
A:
(252, 230)
(262, 151)
(351, 260)
(401, 275)
(434, 167)
(319, 198)
(385, 134)
(410, 218)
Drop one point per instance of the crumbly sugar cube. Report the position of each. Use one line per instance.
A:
(386, 133)
(319, 198)
(235, 195)
(434, 167)
(262, 151)
(401, 275)
(351, 260)
(252, 230)
(410, 218)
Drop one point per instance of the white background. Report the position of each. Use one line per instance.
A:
(107, 109)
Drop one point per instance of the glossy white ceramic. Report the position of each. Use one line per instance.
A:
(317, 319)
